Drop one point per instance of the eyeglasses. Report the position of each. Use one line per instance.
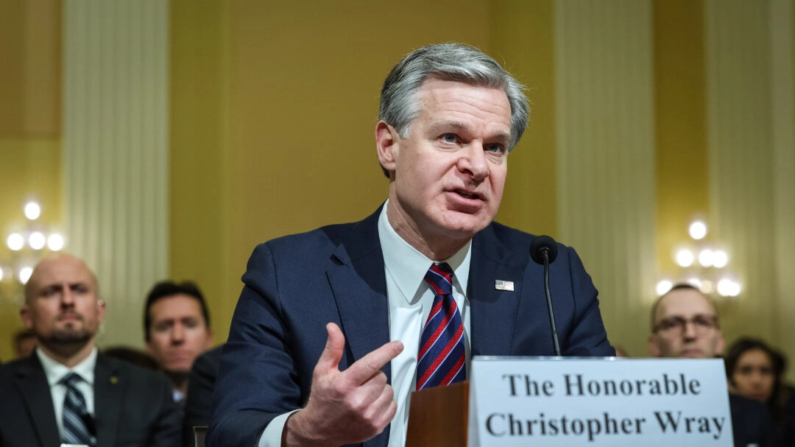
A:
(676, 325)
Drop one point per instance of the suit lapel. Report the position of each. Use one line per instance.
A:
(32, 382)
(492, 260)
(109, 385)
(358, 282)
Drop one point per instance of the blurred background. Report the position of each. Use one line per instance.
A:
(165, 139)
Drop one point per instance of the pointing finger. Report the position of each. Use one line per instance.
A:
(366, 367)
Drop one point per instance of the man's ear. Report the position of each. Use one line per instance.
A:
(720, 344)
(654, 350)
(100, 310)
(27, 319)
(388, 145)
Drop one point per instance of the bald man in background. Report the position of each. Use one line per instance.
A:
(685, 324)
(68, 393)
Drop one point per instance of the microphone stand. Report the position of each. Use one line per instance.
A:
(556, 344)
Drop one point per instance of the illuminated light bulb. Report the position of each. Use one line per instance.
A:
(698, 230)
(32, 210)
(705, 258)
(707, 287)
(24, 274)
(735, 289)
(15, 241)
(37, 240)
(663, 287)
(719, 259)
(726, 287)
(55, 242)
(1, 273)
(695, 282)
(684, 258)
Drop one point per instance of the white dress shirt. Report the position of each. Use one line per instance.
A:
(410, 300)
(56, 371)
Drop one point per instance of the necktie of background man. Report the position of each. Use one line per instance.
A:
(75, 414)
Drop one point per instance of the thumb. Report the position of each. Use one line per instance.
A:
(332, 353)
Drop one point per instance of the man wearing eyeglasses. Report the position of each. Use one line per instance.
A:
(685, 324)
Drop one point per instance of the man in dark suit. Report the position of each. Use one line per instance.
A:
(335, 328)
(685, 324)
(68, 393)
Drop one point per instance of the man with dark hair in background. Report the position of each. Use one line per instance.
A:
(68, 393)
(685, 324)
(177, 328)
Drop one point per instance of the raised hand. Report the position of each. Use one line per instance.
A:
(344, 407)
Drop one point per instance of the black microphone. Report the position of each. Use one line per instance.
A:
(544, 250)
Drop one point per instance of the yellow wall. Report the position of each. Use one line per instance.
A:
(682, 181)
(522, 39)
(29, 129)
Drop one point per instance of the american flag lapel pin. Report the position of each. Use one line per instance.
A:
(503, 285)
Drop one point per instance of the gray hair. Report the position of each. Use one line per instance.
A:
(448, 62)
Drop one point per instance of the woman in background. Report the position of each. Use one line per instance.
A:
(756, 371)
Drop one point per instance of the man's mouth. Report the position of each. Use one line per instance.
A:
(468, 195)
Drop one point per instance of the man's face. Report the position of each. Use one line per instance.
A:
(178, 333)
(450, 171)
(685, 326)
(62, 306)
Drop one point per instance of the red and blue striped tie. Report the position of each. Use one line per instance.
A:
(441, 357)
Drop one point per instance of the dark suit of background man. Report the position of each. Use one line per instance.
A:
(330, 322)
(685, 324)
(68, 393)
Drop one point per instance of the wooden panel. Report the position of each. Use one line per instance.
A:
(782, 34)
(115, 141)
(742, 158)
(605, 159)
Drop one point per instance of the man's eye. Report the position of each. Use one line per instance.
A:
(448, 138)
(495, 148)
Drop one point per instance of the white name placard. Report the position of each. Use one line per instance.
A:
(598, 402)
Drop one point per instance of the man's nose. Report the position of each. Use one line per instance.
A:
(177, 334)
(690, 330)
(473, 161)
(67, 298)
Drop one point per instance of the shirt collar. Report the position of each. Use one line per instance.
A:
(56, 371)
(408, 266)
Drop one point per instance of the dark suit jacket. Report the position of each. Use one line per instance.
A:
(134, 407)
(751, 423)
(200, 393)
(297, 284)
